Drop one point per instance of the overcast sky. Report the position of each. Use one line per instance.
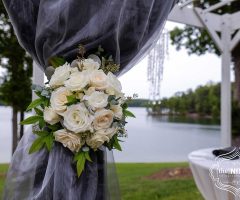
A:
(181, 72)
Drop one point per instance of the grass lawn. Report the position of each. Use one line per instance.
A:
(134, 185)
(3, 170)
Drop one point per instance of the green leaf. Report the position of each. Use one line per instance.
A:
(31, 120)
(38, 111)
(54, 127)
(116, 144)
(111, 97)
(87, 156)
(125, 106)
(37, 145)
(49, 142)
(77, 156)
(46, 102)
(35, 103)
(56, 61)
(41, 133)
(42, 123)
(80, 159)
(38, 94)
(127, 113)
(71, 100)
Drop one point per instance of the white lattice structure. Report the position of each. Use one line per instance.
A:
(224, 30)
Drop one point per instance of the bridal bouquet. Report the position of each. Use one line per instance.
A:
(82, 107)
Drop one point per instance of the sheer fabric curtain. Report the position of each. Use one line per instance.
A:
(126, 29)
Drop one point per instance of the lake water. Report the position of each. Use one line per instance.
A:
(150, 139)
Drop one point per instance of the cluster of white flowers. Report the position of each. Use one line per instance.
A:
(81, 101)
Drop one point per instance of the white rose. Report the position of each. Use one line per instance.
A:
(50, 116)
(98, 79)
(60, 75)
(90, 90)
(79, 95)
(78, 119)
(97, 100)
(74, 69)
(97, 140)
(77, 81)
(114, 85)
(103, 119)
(58, 99)
(70, 140)
(89, 64)
(117, 110)
(110, 132)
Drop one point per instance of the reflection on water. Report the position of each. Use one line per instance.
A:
(159, 139)
(187, 120)
(150, 139)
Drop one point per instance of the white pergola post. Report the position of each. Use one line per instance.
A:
(226, 136)
(38, 77)
(221, 29)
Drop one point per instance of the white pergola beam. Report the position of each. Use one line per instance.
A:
(185, 3)
(188, 16)
(218, 5)
(208, 24)
(185, 16)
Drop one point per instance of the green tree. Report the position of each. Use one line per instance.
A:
(197, 41)
(204, 101)
(15, 89)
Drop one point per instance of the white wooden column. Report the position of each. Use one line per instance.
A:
(38, 77)
(226, 135)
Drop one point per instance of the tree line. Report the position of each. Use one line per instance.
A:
(15, 77)
(204, 101)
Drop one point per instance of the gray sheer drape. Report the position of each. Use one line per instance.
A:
(49, 176)
(126, 29)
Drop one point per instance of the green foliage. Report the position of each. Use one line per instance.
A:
(15, 89)
(45, 139)
(56, 61)
(38, 111)
(36, 145)
(138, 103)
(35, 103)
(116, 144)
(128, 113)
(31, 120)
(81, 158)
(195, 40)
(205, 101)
(72, 100)
(113, 100)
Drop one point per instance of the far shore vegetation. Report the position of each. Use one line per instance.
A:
(203, 102)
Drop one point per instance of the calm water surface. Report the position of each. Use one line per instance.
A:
(150, 139)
